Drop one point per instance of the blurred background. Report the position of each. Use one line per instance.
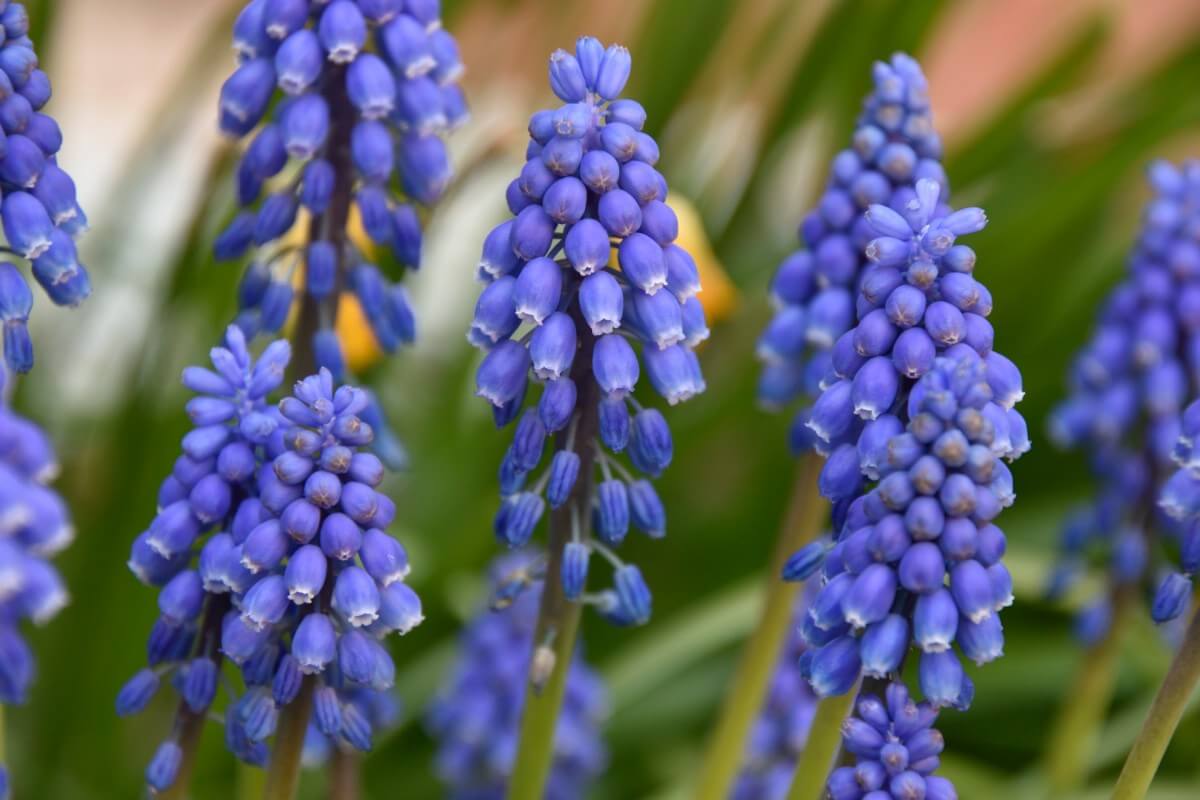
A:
(1049, 112)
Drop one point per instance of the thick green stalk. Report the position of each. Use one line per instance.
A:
(760, 657)
(1078, 724)
(821, 748)
(558, 618)
(250, 782)
(345, 775)
(283, 773)
(1169, 704)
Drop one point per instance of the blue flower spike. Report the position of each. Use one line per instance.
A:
(560, 318)
(39, 214)
(344, 107)
(1127, 410)
(814, 290)
(271, 556)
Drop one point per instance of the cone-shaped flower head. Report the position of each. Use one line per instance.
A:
(921, 408)
(271, 554)
(583, 277)
(327, 580)
(814, 289)
(918, 564)
(895, 749)
(781, 730)
(194, 551)
(476, 716)
(1128, 388)
(39, 213)
(343, 105)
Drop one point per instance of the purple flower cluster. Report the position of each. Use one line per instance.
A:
(353, 97)
(1180, 499)
(814, 289)
(781, 730)
(1128, 388)
(477, 715)
(557, 307)
(38, 212)
(270, 552)
(921, 406)
(34, 526)
(896, 750)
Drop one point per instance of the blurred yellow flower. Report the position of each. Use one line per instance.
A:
(359, 346)
(718, 295)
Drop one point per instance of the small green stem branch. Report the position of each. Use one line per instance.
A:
(1168, 708)
(558, 618)
(821, 748)
(1078, 724)
(746, 693)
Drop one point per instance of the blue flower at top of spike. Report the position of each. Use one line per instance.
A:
(476, 716)
(781, 730)
(893, 146)
(1128, 388)
(918, 562)
(34, 526)
(39, 213)
(555, 307)
(345, 104)
(194, 550)
(896, 750)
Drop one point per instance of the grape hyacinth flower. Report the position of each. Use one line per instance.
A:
(558, 307)
(921, 407)
(344, 104)
(780, 732)
(327, 584)
(1180, 499)
(895, 748)
(194, 550)
(34, 527)
(477, 713)
(271, 554)
(39, 213)
(1128, 388)
(813, 291)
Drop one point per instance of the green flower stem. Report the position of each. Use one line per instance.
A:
(345, 775)
(1160, 724)
(760, 656)
(283, 773)
(250, 781)
(821, 748)
(1078, 724)
(190, 725)
(558, 619)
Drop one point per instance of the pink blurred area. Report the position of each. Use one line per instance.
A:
(117, 63)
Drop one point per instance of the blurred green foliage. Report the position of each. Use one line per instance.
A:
(1062, 212)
